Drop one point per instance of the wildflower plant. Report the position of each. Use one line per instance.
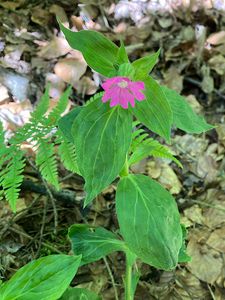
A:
(107, 140)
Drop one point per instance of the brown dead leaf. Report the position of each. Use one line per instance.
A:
(216, 38)
(196, 106)
(173, 79)
(4, 96)
(57, 47)
(217, 239)
(191, 145)
(206, 263)
(214, 216)
(57, 85)
(40, 16)
(217, 63)
(165, 175)
(85, 86)
(207, 168)
(194, 213)
(169, 179)
(153, 169)
(70, 70)
(220, 129)
(12, 4)
(189, 287)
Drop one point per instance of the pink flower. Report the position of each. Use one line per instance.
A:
(121, 91)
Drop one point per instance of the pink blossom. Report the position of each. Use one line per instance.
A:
(121, 91)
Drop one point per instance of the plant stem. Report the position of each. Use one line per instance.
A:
(128, 281)
(125, 170)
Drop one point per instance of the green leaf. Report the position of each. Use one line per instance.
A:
(149, 147)
(102, 136)
(144, 65)
(184, 117)
(126, 70)
(66, 122)
(183, 256)
(149, 221)
(154, 112)
(79, 294)
(45, 278)
(61, 106)
(42, 107)
(93, 243)
(122, 56)
(67, 153)
(98, 51)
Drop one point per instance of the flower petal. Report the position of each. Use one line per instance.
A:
(137, 94)
(114, 102)
(106, 96)
(138, 85)
(129, 97)
(111, 81)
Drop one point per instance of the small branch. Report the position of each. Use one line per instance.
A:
(111, 277)
(31, 238)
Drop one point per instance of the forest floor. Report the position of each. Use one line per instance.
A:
(192, 61)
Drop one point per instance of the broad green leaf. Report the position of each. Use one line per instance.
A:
(144, 65)
(151, 147)
(183, 256)
(99, 52)
(66, 122)
(126, 70)
(102, 136)
(45, 278)
(93, 243)
(122, 56)
(184, 117)
(154, 112)
(79, 294)
(149, 221)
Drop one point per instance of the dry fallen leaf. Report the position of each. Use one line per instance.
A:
(57, 85)
(173, 79)
(165, 175)
(196, 106)
(169, 179)
(216, 38)
(85, 86)
(206, 263)
(217, 63)
(4, 96)
(214, 216)
(207, 168)
(57, 47)
(217, 239)
(189, 287)
(70, 70)
(194, 213)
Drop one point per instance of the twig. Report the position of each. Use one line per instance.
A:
(111, 277)
(198, 84)
(50, 196)
(42, 229)
(31, 238)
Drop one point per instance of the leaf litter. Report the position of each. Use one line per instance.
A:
(191, 35)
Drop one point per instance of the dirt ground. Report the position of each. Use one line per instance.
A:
(191, 35)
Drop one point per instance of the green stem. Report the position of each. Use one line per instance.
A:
(128, 281)
(125, 170)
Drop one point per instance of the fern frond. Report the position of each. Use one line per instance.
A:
(93, 98)
(142, 147)
(41, 108)
(61, 106)
(67, 154)
(46, 161)
(11, 175)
